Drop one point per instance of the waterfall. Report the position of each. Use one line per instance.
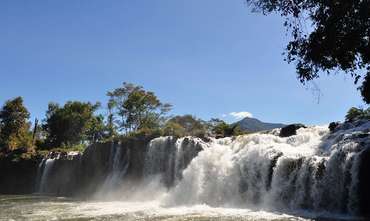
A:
(45, 168)
(310, 170)
(118, 165)
(314, 170)
(168, 157)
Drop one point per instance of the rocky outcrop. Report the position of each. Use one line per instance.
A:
(364, 185)
(18, 176)
(290, 130)
(333, 125)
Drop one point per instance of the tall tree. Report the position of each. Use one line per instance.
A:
(339, 40)
(110, 126)
(72, 124)
(14, 125)
(136, 108)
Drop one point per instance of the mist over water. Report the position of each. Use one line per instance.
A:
(312, 173)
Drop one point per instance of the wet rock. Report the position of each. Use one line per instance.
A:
(333, 126)
(290, 130)
(364, 178)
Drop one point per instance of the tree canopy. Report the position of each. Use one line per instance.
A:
(357, 113)
(220, 128)
(339, 40)
(133, 108)
(72, 124)
(14, 125)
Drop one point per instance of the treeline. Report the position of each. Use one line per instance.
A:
(131, 111)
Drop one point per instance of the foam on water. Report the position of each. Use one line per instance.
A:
(313, 171)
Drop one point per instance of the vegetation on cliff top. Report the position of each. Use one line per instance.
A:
(131, 112)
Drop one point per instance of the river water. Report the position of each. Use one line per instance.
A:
(33, 207)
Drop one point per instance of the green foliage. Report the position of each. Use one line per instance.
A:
(72, 124)
(188, 125)
(357, 113)
(365, 89)
(95, 129)
(144, 133)
(14, 125)
(174, 129)
(111, 127)
(220, 128)
(339, 39)
(133, 108)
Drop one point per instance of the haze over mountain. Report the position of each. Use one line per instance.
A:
(253, 125)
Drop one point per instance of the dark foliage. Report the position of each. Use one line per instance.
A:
(72, 124)
(340, 39)
(14, 125)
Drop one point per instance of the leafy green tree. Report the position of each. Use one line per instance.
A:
(14, 125)
(135, 108)
(365, 89)
(111, 127)
(174, 129)
(96, 130)
(220, 128)
(72, 124)
(339, 39)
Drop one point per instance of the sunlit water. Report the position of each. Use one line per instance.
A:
(253, 177)
(32, 207)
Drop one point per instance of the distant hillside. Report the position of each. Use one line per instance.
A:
(254, 125)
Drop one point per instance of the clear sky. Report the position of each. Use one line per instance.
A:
(208, 58)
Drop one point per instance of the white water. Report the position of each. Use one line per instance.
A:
(119, 165)
(167, 158)
(309, 171)
(312, 171)
(45, 167)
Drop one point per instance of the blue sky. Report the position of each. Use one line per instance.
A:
(208, 58)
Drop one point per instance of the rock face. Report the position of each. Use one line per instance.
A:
(18, 177)
(333, 126)
(290, 130)
(100, 164)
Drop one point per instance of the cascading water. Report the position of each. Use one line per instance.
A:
(168, 157)
(310, 170)
(45, 168)
(315, 170)
(119, 162)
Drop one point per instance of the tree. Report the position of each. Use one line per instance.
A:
(72, 124)
(174, 129)
(339, 39)
(14, 125)
(220, 128)
(96, 130)
(111, 127)
(134, 108)
(365, 89)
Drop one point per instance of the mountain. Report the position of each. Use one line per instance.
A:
(254, 125)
